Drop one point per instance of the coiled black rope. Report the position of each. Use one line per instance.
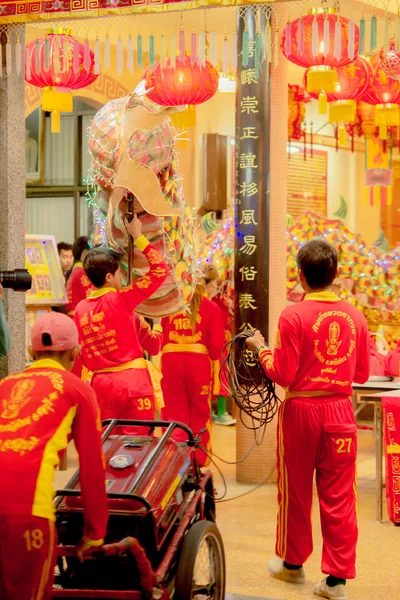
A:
(246, 381)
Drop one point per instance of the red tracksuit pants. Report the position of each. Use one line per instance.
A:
(27, 557)
(123, 395)
(186, 387)
(316, 434)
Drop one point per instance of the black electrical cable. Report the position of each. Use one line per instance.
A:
(246, 381)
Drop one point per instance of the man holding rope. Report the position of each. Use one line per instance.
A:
(322, 347)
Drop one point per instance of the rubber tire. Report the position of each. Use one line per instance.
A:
(187, 559)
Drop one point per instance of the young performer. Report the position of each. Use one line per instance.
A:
(41, 409)
(191, 355)
(322, 346)
(78, 285)
(122, 378)
(210, 275)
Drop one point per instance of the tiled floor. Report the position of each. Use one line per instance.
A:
(247, 526)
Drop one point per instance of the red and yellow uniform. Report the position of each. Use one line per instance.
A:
(322, 346)
(122, 378)
(150, 339)
(41, 409)
(189, 360)
(78, 287)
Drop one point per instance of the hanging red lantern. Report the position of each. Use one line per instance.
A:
(59, 63)
(297, 100)
(321, 41)
(186, 83)
(353, 81)
(384, 94)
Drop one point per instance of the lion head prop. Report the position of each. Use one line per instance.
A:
(132, 145)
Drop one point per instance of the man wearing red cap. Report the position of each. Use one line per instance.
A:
(123, 380)
(41, 409)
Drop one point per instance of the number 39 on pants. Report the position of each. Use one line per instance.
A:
(144, 404)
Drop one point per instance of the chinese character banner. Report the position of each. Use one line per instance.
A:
(252, 171)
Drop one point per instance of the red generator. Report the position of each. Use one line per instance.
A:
(162, 540)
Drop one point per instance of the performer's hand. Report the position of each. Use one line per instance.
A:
(255, 341)
(134, 227)
(85, 548)
(1, 292)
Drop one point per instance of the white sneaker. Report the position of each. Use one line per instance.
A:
(278, 570)
(225, 419)
(338, 592)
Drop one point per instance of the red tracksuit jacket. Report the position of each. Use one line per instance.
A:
(322, 344)
(41, 409)
(78, 287)
(106, 321)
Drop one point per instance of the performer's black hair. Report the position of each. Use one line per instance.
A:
(63, 246)
(80, 245)
(100, 261)
(318, 262)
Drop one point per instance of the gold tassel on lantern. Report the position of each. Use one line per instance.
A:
(342, 135)
(322, 103)
(56, 103)
(386, 115)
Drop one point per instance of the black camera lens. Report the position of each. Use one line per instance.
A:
(19, 280)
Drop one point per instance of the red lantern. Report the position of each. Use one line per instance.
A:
(58, 63)
(297, 100)
(353, 81)
(186, 83)
(322, 41)
(384, 94)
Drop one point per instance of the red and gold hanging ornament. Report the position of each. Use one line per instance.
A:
(383, 93)
(297, 100)
(390, 61)
(321, 41)
(59, 63)
(187, 82)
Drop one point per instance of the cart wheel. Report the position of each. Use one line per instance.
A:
(201, 567)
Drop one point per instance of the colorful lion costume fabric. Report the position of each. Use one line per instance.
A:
(131, 142)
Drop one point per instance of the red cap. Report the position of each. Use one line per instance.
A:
(61, 329)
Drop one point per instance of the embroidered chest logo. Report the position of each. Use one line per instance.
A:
(19, 397)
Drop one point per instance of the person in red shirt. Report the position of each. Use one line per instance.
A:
(322, 346)
(377, 359)
(122, 379)
(41, 409)
(190, 364)
(78, 284)
(392, 362)
(210, 275)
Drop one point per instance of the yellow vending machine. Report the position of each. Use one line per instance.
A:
(48, 285)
